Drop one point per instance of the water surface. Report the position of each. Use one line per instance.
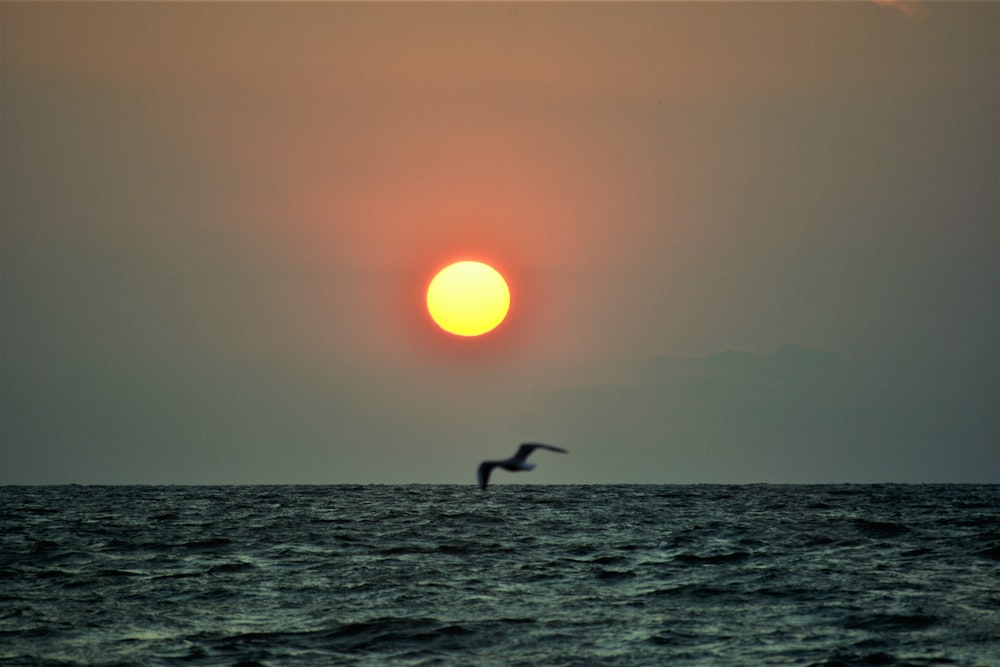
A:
(519, 575)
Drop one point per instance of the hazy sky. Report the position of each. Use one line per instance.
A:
(746, 242)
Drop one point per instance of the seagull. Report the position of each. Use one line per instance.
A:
(515, 463)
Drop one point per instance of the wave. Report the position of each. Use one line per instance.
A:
(889, 622)
(716, 559)
(880, 528)
(440, 575)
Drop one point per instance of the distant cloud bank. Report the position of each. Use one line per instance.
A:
(797, 413)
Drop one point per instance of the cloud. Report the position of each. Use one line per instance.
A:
(797, 413)
(909, 8)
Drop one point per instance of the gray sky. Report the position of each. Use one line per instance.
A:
(746, 242)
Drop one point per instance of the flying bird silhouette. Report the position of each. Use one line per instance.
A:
(516, 463)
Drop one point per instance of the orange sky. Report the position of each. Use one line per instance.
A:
(275, 184)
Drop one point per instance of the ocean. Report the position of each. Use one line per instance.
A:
(517, 575)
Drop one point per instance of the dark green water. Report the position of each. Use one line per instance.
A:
(519, 575)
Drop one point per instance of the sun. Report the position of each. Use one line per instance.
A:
(468, 298)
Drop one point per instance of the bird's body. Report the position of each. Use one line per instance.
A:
(516, 463)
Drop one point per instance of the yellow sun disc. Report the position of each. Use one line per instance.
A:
(468, 298)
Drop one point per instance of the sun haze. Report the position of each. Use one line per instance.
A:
(468, 298)
(736, 249)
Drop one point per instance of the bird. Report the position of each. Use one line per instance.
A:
(515, 463)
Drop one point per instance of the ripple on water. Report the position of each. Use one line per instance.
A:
(576, 575)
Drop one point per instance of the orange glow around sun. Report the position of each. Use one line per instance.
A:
(468, 298)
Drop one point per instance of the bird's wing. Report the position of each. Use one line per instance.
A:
(485, 468)
(528, 447)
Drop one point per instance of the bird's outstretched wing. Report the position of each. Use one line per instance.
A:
(528, 447)
(485, 468)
